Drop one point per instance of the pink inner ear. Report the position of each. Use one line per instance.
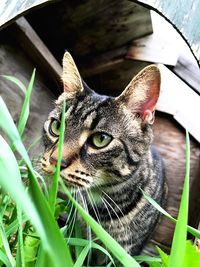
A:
(148, 106)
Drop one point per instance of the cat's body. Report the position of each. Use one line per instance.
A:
(107, 153)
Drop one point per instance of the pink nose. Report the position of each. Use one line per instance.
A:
(64, 163)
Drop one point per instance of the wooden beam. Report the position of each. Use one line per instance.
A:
(178, 99)
(150, 48)
(37, 51)
(188, 72)
(153, 48)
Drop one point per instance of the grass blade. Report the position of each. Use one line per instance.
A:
(190, 229)
(54, 187)
(52, 239)
(6, 244)
(4, 259)
(177, 254)
(15, 81)
(25, 108)
(20, 248)
(82, 256)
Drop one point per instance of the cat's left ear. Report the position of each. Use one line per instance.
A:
(71, 78)
(141, 94)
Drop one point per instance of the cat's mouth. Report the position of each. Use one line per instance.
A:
(76, 180)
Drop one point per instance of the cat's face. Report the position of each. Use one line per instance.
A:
(105, 138)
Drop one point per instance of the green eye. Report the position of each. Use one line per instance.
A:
(100, 140)
(54, 128)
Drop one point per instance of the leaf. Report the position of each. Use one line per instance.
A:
(15, 81)
(190, 229)
(147, 259)
(54, 187)
(176, 257)
(4, 259)
(163, 256)
(82, 256)
(20, 246)
(25, 108)
(36, 208)
(6, 244)
(192, 256)
(79, 242)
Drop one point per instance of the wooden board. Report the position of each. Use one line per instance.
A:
(188, 72)
(183, 15)
(90, 28)
(177, 98)
(38, 52)
(153, 48)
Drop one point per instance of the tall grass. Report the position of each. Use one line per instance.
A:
(30, 235)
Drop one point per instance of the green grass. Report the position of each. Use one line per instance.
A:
(29, 233)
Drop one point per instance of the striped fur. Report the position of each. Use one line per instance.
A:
(110, 178)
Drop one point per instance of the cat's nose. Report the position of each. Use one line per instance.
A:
(64, 163)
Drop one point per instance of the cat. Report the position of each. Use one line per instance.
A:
(107, 153)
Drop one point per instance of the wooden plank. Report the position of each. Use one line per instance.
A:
(183, 15)
(89, 28)
(13, 8)
(188, 72)
(177, 98)
(153, 48)
(37, 51)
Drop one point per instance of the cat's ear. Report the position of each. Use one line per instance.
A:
(71, 78)
(141, 94)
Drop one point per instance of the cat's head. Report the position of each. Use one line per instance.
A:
(105, 137)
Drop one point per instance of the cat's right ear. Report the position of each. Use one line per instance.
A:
(71, 78)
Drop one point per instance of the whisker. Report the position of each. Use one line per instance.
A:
(94, 207)
(89, 234)
(113, 211)
(113, 202)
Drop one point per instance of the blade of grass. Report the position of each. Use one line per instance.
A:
(177, 254)
(190, 229)
(20, 247)
(79, 242)
(54, 187)
(42, 218)
(4, 259)
(82, 256)
(6, 244)
(25, 108)
(15, 81)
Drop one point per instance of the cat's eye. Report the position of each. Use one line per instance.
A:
(100, 140)
(54, 128)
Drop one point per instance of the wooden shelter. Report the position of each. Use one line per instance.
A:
(110, 41)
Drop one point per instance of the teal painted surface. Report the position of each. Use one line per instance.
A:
(9, 9)
(184, 15)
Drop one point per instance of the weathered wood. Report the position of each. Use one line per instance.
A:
(37, 51)
(188, 72)
(169, 139)
(9, 10)
(13, 61)
(177, 98)
(152, 48)
(89, 28)
(183, 15)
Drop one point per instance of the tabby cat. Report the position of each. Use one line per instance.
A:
(107, 153)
